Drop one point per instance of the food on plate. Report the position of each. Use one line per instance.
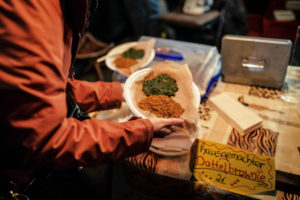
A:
(162, 84)
(140, 53)
(180, 100)
(129, 58)
(122, 62)
(134, 53)
(162, 106)
(158, 101)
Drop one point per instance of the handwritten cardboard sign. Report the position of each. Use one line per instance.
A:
(234, 169)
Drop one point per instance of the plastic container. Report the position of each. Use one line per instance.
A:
(203, 61)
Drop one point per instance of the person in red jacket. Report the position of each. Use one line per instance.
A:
(39, 41)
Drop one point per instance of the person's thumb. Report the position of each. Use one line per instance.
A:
(159, 123)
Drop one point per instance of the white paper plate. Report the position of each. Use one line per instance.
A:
(109, 61)
(128, 91)
(128, 94)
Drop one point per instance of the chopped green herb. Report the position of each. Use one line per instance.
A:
(134, 53)
(162, 84)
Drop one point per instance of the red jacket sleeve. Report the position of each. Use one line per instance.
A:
(93, 96)
(35, 131)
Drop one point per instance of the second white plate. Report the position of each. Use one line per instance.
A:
(109, 61)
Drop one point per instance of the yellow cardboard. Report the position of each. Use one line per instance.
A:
(234, 169)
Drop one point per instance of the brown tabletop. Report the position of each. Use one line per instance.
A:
(278, 137)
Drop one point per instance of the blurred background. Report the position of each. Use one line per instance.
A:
(118, 20)
(200, 21)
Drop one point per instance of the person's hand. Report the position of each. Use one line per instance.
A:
(161, 125)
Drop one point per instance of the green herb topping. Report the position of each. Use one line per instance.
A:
(162, 84)
(134, 53)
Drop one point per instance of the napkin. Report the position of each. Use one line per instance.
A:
(175, 142)
(238, 116)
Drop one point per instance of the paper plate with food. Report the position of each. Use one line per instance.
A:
(129, 57)
(166, 90)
